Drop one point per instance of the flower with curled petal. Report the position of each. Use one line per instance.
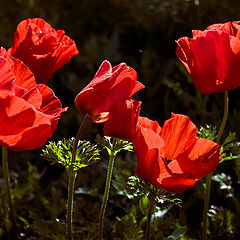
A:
(212, 57)
(42, 48)
(108, 87)
(29, 112)
(172, 157)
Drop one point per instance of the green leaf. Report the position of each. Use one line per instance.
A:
(140, 188)
(225, 183)
(61, 152)
(231, 148)
(221, 220)
(114, 144)
(143, 204)
(132, 229)
(207, 132)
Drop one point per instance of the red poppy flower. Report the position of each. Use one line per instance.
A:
(42, 48)
(212, 57)
(28, 112)
(172, 157)
(109, 86)
(122, 121)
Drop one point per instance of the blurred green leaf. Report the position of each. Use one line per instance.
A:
(207, 132)
(132, 228)
(230, 148)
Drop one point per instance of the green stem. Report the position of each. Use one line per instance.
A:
(71, 183)
(112, 156)
(150, 209)
(8, 192)
(72, 177)
(77, 138)
(206, 205)
(209, 176)
(224, 120)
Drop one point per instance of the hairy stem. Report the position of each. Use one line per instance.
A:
(150, 209)
(72, 177)
(209, 176)
(8, 192)
(106, 193)
(71, 183)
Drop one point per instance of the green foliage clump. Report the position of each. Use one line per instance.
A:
(230, 148)
(61, 152)
(207, 132)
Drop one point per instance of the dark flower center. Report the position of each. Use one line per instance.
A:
(168, 161)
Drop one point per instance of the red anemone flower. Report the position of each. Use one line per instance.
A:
(29, 112)
(109, 86)
(172, 157)
(42, 48)
(212, 57)
(122, 121)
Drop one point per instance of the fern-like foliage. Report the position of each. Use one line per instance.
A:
(230, 148)
(141, 189)
(207, 132)
(114, 144)
(61, 152)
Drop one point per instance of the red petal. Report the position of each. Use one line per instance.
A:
(176, 183)
(103, 73)
(231, 28)
(6, 75)
(148, 146)
(50, 103)
(24, 77)
(34, 137)
(216, 57)
(122, 122)
(184, 53)
(22, 127)
(43, 49)
(25, 86)
(119, 85)
(178, 133)
(16, 114)
(202, 159)
(147, 123)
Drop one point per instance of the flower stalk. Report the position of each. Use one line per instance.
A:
(209, 176)
(8, 192)
(72, 177)
(112, 155)
(149, 216)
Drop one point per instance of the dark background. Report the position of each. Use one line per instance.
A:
(141, 33)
